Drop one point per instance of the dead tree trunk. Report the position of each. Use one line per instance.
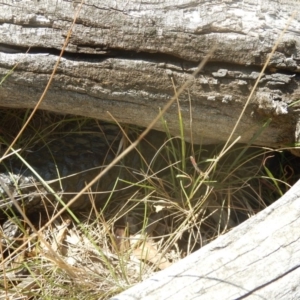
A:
(123, 56)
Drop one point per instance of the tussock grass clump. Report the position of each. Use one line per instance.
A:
(165, 202)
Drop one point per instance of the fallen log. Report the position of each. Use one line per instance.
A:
(259, 259)
(123, 56)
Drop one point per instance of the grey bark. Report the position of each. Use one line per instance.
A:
(123, 54)
(257, 260)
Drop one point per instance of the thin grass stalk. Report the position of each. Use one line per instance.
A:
(181, 128)
(187, 198)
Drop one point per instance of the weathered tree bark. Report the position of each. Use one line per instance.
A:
(257, 260)
(123, 54)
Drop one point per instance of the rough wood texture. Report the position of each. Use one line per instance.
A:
(123, 54)
(260, 259)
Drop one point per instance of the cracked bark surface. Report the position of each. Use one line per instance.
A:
(122, 56)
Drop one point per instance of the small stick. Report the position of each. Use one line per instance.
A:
(195, 165)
